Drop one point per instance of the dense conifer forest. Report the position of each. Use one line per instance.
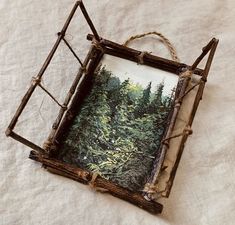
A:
(118, 131)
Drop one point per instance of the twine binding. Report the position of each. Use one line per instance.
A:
(84, 69)
(186, 131)
(186, 74)
(93, 185)
(49, 146)
(152, 192)
(97, 45)
(150, 188)
(141, 57)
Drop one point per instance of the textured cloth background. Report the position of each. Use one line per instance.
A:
(204, 189)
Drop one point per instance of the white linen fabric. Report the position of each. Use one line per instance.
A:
(203, 191)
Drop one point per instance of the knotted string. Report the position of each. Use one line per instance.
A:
(186, 74)
(186, 131)
(49, 146)
(97, 45)
(92, 183)
(141, 57)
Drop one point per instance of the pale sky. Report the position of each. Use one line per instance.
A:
(141, 74)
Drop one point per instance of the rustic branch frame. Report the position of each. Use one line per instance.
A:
(99, 47)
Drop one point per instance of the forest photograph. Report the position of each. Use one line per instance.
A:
(118, 130)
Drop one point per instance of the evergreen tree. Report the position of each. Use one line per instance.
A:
(143, 103)
(90, 130)
(118, 130)
(169, 99)
(156, 103)
(113, 93)
(121, 118)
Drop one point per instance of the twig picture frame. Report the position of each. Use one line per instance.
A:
(89, 87)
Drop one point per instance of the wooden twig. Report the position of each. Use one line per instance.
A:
(70, 94)
(93, 61)
(26, 142)
(157, 165)
(205, 50)
(51, 96)
(9, 131)
(118, 50)
(212, 48)
(73, 52)
(85, 177)
(83, 9)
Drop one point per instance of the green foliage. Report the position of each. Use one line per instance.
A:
(143, 102)
(118, 130)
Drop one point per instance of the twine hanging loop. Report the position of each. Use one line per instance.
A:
(165, 40)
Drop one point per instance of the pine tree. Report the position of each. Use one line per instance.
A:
(143, 103)
(169, 99)
(122, 115)
(122, 143)
(91, 129)
(156, 103)
(118, 130)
